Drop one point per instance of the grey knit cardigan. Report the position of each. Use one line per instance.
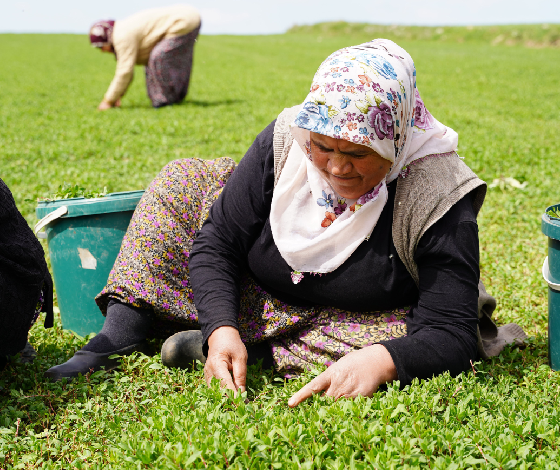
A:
(428, 189)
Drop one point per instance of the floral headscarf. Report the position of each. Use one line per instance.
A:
(365, 94)
(101, 33)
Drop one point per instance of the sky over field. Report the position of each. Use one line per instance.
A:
(276, 16)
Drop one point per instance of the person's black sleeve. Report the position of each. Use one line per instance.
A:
(235, 220)
(442, 328)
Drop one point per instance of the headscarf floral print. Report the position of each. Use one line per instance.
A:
(365, 94)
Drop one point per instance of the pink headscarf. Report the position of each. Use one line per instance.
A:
(101, 33)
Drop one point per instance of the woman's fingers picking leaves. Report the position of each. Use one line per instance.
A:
(227, 358)
(320, 383)
(218, 367)
(240, 372)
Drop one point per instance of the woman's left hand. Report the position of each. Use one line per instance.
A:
(358, 373)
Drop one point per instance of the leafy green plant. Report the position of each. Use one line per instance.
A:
(67, 191)
(553, 213)
(502, 413)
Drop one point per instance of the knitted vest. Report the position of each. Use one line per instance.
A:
(426, 190)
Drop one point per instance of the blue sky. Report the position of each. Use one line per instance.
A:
(275, 16)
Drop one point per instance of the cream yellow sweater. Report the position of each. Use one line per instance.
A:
(136, 36)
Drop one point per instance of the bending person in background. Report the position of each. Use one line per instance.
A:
(345, 237)
(163, 40)
(25, 282)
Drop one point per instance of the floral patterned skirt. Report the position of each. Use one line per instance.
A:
(152, 271)
(333, 333)
(169, 69)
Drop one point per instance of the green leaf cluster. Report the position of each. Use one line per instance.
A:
(502, 414)
(67, 191)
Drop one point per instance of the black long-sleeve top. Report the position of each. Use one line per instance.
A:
(442, 324)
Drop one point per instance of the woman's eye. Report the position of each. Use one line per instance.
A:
(320, 147)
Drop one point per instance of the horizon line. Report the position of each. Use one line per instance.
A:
(482, 25)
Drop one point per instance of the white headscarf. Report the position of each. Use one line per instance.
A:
(365, 94)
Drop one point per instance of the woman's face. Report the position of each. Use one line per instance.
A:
(351, 169)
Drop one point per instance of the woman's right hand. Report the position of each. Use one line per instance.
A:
(104, 105)
(227, 359)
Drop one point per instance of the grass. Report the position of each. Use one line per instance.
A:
(504, 103)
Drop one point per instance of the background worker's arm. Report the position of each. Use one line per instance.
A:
(126, 59)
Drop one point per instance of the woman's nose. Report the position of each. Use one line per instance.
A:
(339, 165)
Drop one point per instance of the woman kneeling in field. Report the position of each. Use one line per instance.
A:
(346, 236)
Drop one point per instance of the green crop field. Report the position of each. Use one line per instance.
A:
(504, 101)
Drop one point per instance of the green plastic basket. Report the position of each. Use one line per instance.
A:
(84, 238)
(550, 226)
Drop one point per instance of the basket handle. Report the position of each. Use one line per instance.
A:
(546, 275)
(51, 216)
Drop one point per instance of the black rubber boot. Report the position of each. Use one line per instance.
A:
(27, 354)
(87, 361)
(183, 349)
